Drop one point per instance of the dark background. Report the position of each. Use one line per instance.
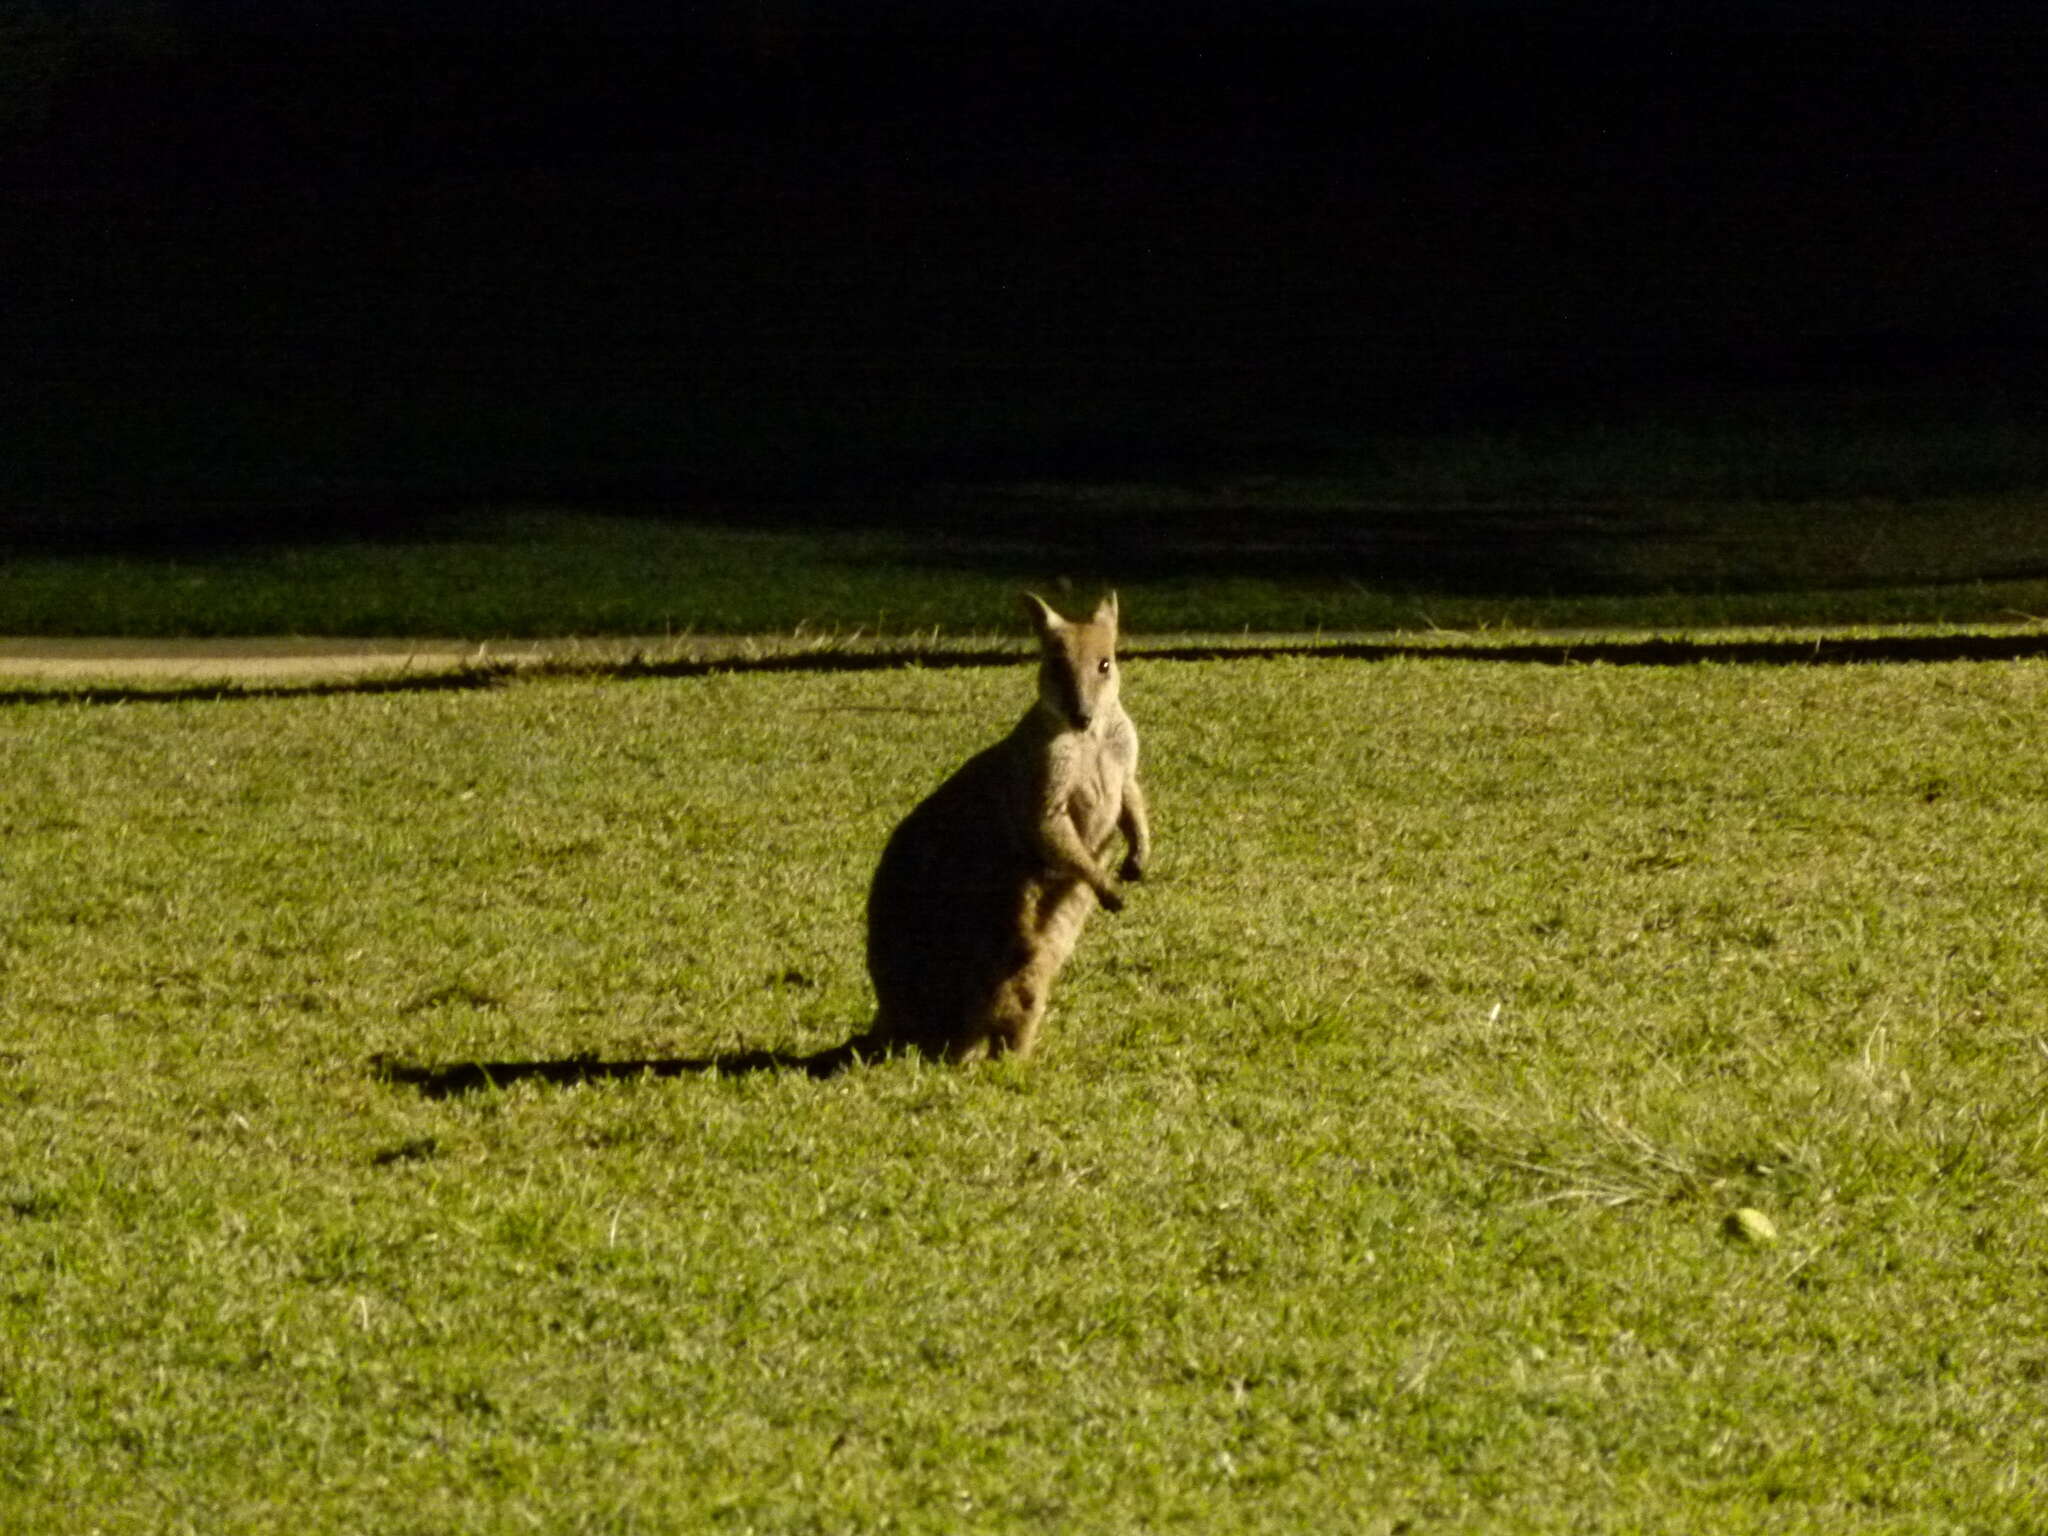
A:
(280, 251)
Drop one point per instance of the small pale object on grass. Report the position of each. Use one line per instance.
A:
(1750, 1225)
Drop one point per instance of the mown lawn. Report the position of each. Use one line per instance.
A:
(1289, 558)
(1373, 1174)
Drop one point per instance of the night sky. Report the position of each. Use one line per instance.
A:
(1635, 197)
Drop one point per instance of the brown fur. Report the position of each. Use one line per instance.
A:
(983, 890)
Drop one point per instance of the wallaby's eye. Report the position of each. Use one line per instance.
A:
(1102, 666)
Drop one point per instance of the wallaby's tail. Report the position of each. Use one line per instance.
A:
(869, 1045)
(827, 1063)
(445, 1079)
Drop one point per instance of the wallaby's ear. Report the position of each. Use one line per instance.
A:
(1043, 619)
(1105, 611)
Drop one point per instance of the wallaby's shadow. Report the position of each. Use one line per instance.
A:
(448, 1079)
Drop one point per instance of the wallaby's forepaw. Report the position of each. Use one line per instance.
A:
(1112, 901)
(1131, 870)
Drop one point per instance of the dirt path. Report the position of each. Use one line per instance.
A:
(282, 660)
(176, 668)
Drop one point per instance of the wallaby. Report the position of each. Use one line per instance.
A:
(984, 888)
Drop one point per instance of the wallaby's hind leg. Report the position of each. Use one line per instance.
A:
(1015, 1014)
(1005, 1020)
(1018, 1006)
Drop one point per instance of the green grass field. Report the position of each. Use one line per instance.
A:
(1373, 1174)
(895, 504)
(1295, 558)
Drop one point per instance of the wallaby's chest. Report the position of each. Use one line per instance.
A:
(1087, 777)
